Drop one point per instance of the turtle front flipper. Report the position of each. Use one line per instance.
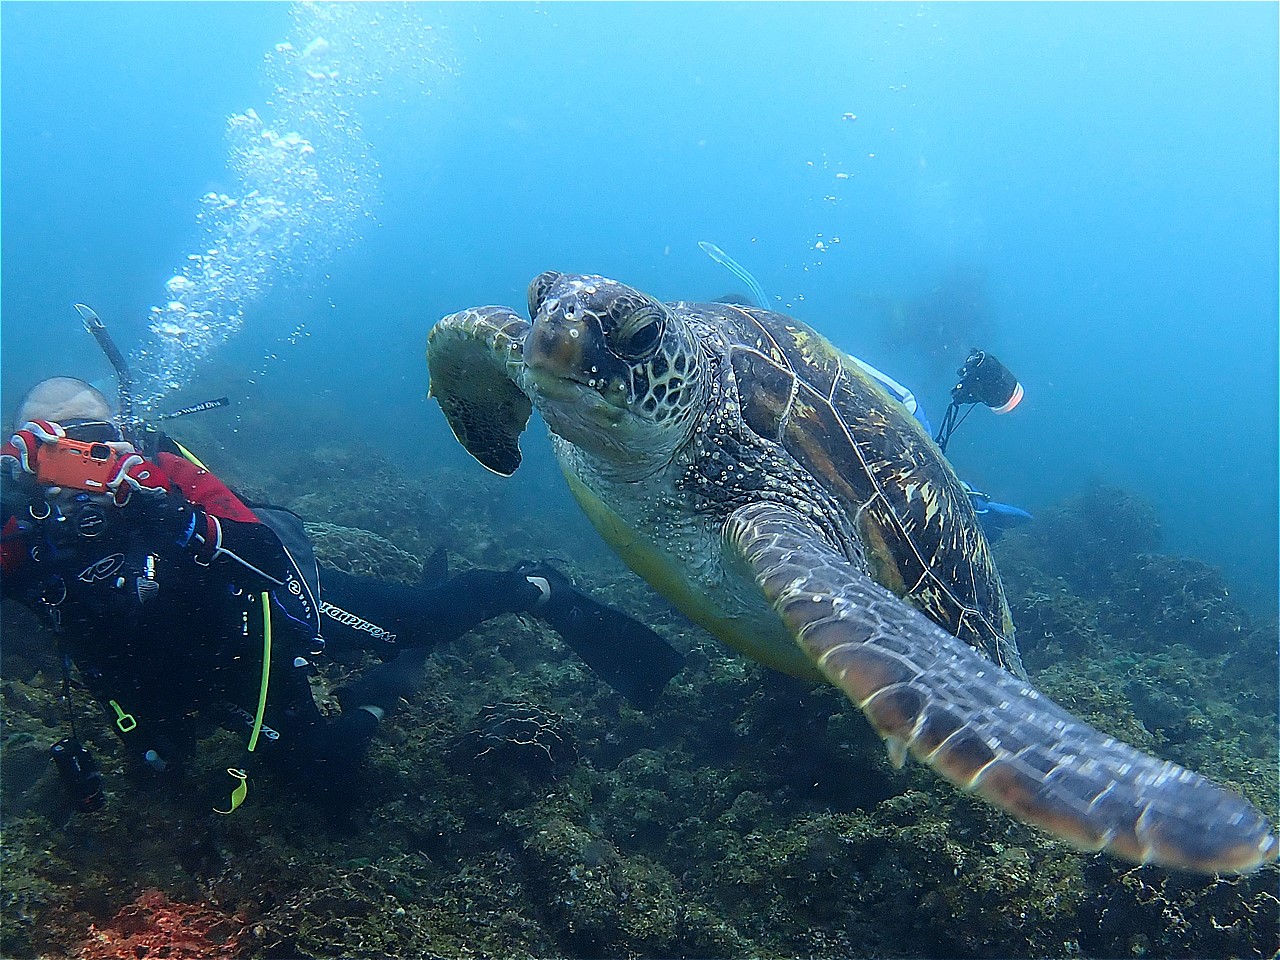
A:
(978, 725)
(473, 357)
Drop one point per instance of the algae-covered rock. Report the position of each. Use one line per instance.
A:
(604, 903)
(362, 553)
(1162, 600)
(511, 738)
(896, 880)
(1087, 537)
(403, 905)
(746, 815)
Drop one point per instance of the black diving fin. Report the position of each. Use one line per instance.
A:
(622, 651)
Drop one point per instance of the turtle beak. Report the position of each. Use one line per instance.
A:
(555, 349)
(572, 373)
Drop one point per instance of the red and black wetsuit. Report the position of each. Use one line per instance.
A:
(167, 633)
(170, 639)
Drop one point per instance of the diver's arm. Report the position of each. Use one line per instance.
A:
(225, 531)
(247, 548)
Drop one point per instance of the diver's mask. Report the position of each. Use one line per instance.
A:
(92, 431)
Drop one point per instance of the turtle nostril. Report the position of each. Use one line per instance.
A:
(555, 348)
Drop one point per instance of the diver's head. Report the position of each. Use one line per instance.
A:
(79, 407)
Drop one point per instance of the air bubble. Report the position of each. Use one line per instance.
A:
(299, 182)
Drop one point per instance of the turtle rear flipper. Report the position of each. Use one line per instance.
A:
(979, 726)
(473, 356)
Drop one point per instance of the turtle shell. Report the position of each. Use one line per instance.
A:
(915, 522)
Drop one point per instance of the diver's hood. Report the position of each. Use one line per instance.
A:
(62, 399)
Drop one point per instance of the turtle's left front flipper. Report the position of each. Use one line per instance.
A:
(473, 356)
(979, 726)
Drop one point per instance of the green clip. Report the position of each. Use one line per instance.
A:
(239, 793)
(124, 721)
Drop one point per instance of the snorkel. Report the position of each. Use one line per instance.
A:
(899, 392)
(132, 426)
(738, 270)
(124, 379)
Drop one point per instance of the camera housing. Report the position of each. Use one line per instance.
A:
(76, 465)
(985, 380)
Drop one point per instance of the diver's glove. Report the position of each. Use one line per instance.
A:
(172, 522)
(136, 475)
(176, 526)
(19, 455)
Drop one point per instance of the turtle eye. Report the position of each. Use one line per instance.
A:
(539, 289)
(636, 338)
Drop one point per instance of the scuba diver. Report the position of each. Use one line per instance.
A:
(183, 607)
(982, 380)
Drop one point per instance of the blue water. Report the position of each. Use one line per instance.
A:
(1087, 190)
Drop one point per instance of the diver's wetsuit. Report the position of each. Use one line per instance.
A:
(380, 615)
(170, 639)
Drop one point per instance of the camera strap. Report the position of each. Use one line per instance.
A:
(950, 422)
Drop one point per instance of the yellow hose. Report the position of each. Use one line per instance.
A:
(266, 671)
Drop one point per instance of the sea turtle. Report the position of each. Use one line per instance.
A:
(758, 478)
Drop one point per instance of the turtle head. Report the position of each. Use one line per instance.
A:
(614, 371)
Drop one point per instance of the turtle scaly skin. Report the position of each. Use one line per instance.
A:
(984, 729)
(779, 497)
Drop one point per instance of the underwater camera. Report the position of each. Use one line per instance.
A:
(78, 771)
(985, 380)
(80, 466)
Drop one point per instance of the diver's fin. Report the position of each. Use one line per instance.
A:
(435, 570)
(622, 651)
